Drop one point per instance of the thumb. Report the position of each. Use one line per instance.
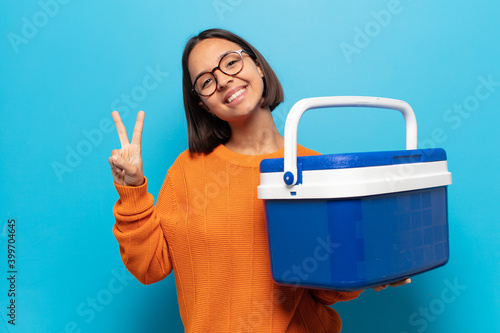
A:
(122, 164)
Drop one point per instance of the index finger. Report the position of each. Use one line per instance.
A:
(400, 282)
(139, 123)
(120, 128)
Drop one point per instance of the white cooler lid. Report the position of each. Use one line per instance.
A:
(355, 174)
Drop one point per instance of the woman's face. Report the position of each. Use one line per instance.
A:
(236, 97)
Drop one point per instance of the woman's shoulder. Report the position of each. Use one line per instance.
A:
(184, 160)
(190, 160)
(303, 151)
(185, 163)
(188, 157)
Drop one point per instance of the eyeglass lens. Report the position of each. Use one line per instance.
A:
(230, 64)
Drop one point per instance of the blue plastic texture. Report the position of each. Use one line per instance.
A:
(357, 243)
(357, 160)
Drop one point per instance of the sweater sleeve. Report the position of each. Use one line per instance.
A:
(143, 245)
(329, 297)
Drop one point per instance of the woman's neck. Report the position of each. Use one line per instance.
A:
(256, 135)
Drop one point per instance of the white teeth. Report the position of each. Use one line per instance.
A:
(236, 94)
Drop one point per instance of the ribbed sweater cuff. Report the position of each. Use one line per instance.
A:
(133, 199)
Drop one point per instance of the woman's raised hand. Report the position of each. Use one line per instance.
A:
(126, 163)
(394, 284)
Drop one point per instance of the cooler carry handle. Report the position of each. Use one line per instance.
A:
(292, 122)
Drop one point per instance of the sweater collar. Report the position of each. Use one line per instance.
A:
(242, 159)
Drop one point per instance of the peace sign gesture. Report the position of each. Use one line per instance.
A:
(126, 163)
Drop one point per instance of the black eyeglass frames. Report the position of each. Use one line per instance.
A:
(230, 64)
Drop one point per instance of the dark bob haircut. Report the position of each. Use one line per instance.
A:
(205, 132)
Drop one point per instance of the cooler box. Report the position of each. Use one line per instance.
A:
(355, 221)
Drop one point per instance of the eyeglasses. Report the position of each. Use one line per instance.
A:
(230, 64)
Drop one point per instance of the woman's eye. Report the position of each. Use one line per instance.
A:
(232, 63)
(206, 83)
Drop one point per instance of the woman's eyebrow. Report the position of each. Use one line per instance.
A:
(222, 55)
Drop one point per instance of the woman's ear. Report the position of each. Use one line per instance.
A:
(261, 72)
(204, 106)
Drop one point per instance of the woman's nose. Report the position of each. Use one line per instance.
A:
(223, 79)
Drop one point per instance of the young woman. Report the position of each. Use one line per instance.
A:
(208, 225)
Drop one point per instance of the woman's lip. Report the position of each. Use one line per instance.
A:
(231, 93)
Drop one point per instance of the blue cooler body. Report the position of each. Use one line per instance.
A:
(355, 221)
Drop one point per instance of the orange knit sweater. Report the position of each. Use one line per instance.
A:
(209, 227)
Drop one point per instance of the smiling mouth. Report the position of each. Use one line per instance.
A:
(236, 94)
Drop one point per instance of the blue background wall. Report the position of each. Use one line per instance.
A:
(64, 66)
